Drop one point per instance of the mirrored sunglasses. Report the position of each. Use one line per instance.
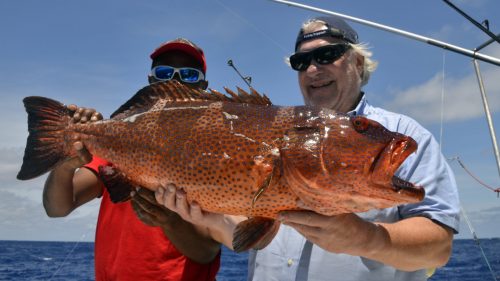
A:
(327, 54)
(186, 74)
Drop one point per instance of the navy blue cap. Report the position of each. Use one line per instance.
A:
(336, 27)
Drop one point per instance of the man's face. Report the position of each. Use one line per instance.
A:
(179, 59)
(335, 86)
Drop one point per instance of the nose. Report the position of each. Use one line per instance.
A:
(313, 69)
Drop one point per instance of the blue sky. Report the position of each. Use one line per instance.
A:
(96, 54)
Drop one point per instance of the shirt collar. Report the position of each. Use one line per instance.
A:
(360, 108)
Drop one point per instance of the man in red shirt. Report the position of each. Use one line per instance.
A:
(137, 239)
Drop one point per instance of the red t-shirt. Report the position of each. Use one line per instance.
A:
(128, 249)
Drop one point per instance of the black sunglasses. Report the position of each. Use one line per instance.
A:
(327, 54)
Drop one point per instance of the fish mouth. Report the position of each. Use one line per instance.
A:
(389, 160)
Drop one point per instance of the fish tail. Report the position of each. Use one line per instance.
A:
(47, 120)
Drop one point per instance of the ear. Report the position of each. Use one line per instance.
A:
(360, 64)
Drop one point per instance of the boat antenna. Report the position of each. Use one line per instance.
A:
(246, 79)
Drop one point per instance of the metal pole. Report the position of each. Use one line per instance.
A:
(486, 43)
(410, 35)
(247, 79)
(474, 22)
(487, 113)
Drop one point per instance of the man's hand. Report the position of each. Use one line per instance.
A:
(345, 233)
(220, 227)
(192, 241)
(409, 244)
(83, 115)
(149, 211)
(175, 199)
(80, 115)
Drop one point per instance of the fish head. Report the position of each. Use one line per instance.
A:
(352, 159)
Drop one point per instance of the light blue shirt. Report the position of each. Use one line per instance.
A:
(288, 252)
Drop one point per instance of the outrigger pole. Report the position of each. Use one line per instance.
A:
(474, 54)
(494, 38)
(417, 37)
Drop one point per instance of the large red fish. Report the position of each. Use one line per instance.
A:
(233, 154)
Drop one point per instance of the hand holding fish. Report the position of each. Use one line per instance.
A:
(175, 200)
(221, 227)
(344, 233)
(83, 115)
(149, 211)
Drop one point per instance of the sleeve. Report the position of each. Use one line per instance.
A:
(94, 167)
(429, 169)
(95, 163)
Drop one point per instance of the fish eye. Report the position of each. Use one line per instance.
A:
(361, 124)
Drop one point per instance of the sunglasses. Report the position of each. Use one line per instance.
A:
(186, 74)
(327, 54)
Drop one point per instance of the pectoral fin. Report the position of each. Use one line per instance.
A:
(117, 184)
(254, 233)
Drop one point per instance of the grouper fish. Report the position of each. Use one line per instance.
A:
(233, 153)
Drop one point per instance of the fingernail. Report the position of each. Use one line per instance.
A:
(78, 145)
(171, 188)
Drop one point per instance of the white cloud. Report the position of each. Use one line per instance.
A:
(22, 219)
(22, 216)
(462, 99)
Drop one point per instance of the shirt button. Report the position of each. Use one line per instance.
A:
(290, 262)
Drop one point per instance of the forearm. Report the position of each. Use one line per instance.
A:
(58, 198)
(193, 242)
(410, 244)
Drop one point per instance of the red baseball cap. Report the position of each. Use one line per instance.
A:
(183, 45)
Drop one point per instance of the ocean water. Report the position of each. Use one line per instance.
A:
(28, 260)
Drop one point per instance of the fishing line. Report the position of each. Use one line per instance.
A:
(476, 239)
(67, 255)
(442, 102)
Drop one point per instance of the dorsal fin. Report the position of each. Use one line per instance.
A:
(158, 94)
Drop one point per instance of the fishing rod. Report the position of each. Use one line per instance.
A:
(430, 41)
(247, 79)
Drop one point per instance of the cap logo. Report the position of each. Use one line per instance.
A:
(314, 34)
